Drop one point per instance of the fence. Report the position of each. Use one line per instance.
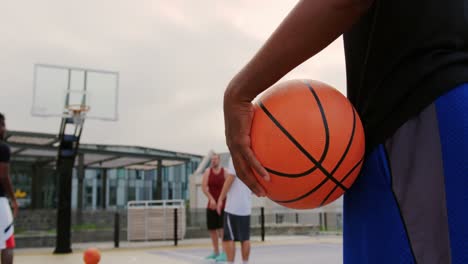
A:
(155, 220)
(36, 228)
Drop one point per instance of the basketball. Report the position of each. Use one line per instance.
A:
(310, 139)
(91, 256)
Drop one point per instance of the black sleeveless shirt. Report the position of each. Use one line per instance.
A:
(4, 157)
(401, 56)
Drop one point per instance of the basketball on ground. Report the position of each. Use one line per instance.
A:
(311, 141)
(91, 256)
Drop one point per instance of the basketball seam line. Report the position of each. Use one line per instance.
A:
(319, 185)
(293, 140)
(344, 179)
(324, 118)
(292, 175)
(350, 142)
(336, 166)
(325, 148)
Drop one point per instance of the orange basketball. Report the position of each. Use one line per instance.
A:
(91, 256)
(310, 139)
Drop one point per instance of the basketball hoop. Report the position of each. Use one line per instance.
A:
(78, 112)
(62, 91)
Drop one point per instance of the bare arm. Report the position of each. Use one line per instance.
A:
(205, 188)
(310, 27)
(6, 184)
(226, 186)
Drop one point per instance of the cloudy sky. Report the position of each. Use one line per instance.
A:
(174, 58)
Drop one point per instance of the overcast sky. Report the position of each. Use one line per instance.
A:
(174, 59)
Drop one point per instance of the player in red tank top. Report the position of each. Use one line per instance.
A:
(212, 183)
(215, 183)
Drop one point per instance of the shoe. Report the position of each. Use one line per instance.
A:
(212, 256)
(221, 258)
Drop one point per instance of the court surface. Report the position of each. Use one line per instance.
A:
(284, 249)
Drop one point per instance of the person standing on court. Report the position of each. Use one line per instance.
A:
(236, 215)
(407, 76)
(7, 240)
(212, 184)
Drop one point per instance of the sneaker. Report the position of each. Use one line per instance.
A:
(212, 256)
(221, 258)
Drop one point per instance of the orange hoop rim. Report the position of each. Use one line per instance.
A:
(77, 109)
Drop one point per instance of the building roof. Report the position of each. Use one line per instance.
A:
(42, 148)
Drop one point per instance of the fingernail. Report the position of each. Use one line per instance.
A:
(266, 176)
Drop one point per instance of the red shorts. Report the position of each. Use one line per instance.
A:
(10, 243)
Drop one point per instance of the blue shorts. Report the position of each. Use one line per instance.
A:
(410, 203)
(236, 227)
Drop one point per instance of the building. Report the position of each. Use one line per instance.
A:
(105, 176)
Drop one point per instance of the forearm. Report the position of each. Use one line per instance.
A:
(310, 27)
(205, 188)
(227, 185)
(8, 188)
(223, 194)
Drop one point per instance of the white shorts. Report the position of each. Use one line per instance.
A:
(6, 224)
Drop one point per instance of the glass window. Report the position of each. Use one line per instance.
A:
(98, 183)
(165, 190)
(121, 195)
(112, 187)
(88, 196)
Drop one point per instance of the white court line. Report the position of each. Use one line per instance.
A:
(186, 256)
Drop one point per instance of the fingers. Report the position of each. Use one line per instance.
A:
(212, 205)
(255, 164)
(238, 116)
(245, 173)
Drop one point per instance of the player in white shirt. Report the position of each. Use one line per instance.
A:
(236, 215)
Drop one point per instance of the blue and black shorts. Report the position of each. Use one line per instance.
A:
(410, 203)
(236, 227)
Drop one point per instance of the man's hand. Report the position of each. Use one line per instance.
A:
(219, 208)
(212, 204)
(238, 115)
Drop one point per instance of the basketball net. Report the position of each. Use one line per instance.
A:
(78, 113)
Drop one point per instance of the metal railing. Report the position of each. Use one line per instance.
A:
(160, 218)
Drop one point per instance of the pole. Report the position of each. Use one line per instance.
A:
(116, 229)
(175, 226)
(262, 222)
